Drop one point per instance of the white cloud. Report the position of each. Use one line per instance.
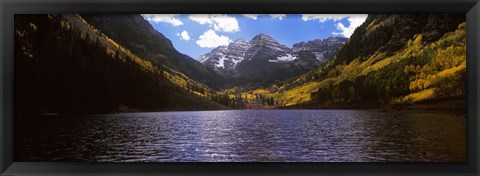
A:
(201, 18)
(164, 18)
(279, 16)
(184, 35)
(323, 17)
(210, 39)
(251, 16)
(219, 22)
(355, 21)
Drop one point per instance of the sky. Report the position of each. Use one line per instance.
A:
(198, 34)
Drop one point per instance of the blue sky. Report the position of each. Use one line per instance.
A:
(197, 34)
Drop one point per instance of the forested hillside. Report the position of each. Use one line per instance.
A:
(389, 60)
(63, 65)
(137, 35)
(98, 63)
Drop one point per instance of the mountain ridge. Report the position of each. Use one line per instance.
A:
(391, 59)
(263, 57)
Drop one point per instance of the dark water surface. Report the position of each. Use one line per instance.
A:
(243, 135)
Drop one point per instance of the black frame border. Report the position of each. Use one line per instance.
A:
(10, 7)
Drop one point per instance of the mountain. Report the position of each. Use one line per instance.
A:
(266, 48)
(391, 59)
(263, 60)
(267, 61)
(322, 49)
(134, 33)
(64, 65)
(224, 59)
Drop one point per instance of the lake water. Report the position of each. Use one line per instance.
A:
(243, 136)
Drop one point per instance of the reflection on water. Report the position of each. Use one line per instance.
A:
(243, 135)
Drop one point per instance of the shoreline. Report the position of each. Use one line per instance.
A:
(451, 106)
(448, 106)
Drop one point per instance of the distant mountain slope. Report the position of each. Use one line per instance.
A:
(137, 35)
(322, 49)
(263, 60)
(390, 59)
(63, 65)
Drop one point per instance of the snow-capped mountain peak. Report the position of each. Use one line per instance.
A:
(225, 58)
(263, 49)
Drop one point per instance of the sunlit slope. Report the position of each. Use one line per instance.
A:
(390, 59)
(62, 64)
(136, 34)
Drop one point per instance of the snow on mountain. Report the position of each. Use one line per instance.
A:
(287, 58)
(221, 62)
(268, 46)
(225, 59)
(322, 49)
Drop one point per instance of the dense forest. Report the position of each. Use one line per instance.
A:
(135, 34)
(63, 65)
(74, 64)
(390, 60)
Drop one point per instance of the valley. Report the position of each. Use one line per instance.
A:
(391, 61)
(120, 63)
(115, 88)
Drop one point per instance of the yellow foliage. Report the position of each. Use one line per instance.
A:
(445, 58)
(378, 65)
(419, 96)
(300, 94)
(198, 94)
(260, 91)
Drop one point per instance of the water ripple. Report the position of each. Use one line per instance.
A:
(243, 136)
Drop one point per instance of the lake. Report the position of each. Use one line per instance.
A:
(244, 136)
